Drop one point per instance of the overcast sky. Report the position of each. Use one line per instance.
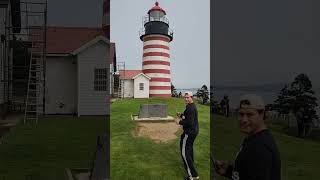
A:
(77, 13)
(254, 42)
(257, 42)
(190, 48)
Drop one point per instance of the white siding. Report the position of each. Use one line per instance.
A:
(141, 93)
(128, 88)
(61, 85)
(91, 102)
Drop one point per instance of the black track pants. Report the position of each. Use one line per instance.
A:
(186, 149)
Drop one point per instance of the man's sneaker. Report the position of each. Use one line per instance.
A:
(194, 178)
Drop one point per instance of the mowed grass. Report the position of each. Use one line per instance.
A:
(299, 157)
(44, 150)
(140, 157)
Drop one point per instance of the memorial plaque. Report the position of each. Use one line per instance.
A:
(153, 110)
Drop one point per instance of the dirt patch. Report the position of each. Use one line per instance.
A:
(160, 132)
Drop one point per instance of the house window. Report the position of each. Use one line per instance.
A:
(100, 79)
(141, 86)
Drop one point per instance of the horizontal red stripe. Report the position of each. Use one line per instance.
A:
(163, 71)
(156, 54)
(160, 80)
(160, 88)
(155, 46)
(156, 38)
(156, 62)
(160, 95)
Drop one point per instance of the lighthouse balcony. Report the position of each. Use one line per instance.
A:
(166, 32)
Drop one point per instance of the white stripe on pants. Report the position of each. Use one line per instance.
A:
(184, 142)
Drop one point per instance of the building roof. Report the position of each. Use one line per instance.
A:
(90, 43)
(64, 40)
(141, 74)
(129, 74)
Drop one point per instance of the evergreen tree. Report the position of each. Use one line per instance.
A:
(296, 98)
(284, 101)
(173, 91)
(301, 90)
(203, 93)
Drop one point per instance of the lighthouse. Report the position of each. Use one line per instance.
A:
(156, 36)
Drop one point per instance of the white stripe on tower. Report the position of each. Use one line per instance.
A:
(158, 42)
(156, 64)
(155, 58)
(158, 75)
(159, 83)
(160, 91)
(156, 50)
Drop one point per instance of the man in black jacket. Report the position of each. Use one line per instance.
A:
(189, 122)
(258, 157)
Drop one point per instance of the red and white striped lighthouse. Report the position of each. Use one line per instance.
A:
(156, 36)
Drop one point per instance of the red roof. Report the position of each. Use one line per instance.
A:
(129, 74)
(64, 40)
(156, 8)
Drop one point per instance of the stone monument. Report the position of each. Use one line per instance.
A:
(153, 113)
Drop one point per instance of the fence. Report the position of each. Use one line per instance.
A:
(289, 119)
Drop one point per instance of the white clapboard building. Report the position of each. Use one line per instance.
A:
(77, 71)
(134, 84)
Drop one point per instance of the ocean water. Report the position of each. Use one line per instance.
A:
(234, 95)
(268, 96)
(193, 90)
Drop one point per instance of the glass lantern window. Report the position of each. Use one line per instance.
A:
(156, 15)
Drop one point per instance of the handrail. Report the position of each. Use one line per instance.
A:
(143, 32)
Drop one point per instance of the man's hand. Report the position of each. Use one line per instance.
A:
(221, 167)
(179, 114)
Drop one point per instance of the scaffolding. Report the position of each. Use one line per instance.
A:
(118, 83)
(25, 77)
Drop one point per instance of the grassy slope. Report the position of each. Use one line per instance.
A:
(300, 158)
(141, 158)
(44, 150)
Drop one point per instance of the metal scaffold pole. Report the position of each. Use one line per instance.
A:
(26, 81)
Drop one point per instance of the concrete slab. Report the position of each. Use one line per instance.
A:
(153, 119)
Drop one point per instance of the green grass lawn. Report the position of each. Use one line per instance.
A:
(300, 158)
(44, 150)
(141, 158)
